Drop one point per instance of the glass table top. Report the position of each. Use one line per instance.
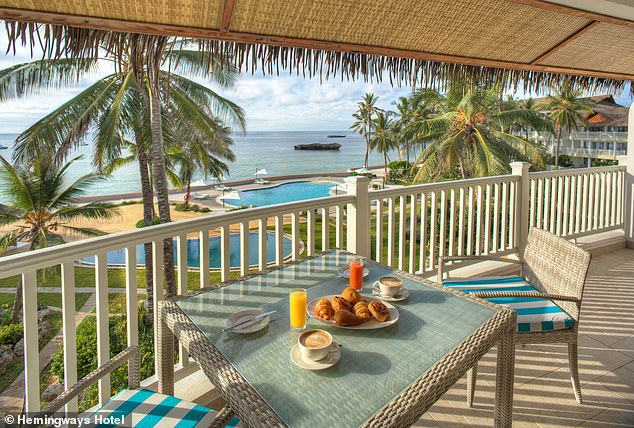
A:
(375, 365)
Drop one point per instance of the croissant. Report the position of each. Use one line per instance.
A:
(341, 304)
(347, 318)
(351, 295)
(379, 311)
(361, 310)
(324, 310)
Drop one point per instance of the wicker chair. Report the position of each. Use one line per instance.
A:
(168, 410)
(553, 273)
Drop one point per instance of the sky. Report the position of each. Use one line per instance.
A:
(272, 103)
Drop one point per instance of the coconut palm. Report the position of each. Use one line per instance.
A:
(468, 134)
(409, 111)
(566, 112)
(125, 112)
(366, 110)
(41, 210)
(383, 137)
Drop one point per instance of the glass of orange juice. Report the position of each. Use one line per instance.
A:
(356, 273)
(298, 308)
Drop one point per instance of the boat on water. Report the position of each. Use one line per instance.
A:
(336, 136)
(318, 146)
(3, 147)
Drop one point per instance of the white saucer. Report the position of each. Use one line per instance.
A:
(250, 327)
(333, 357)
(344, 272)
(376, 292)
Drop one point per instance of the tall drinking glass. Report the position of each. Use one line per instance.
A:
(356, 273)
(297, 303)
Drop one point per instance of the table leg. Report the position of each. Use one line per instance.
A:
(504, 382)
(165, 367)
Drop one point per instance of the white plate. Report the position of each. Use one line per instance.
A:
(373, 324)
(344, 272)
(333, 357)
(376, 291)
(250, 327)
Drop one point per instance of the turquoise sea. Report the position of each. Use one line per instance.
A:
(272, 150)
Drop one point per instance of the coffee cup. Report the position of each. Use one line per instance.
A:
(314, 345)
(390, 286)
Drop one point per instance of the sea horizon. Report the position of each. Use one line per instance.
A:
(270, 150)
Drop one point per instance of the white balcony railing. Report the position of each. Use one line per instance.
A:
(412, 226)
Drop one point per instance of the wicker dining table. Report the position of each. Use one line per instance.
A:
(385, 378)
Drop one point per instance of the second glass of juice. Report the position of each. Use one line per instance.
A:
(356, 273)
(297, 303)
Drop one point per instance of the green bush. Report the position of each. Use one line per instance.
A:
(604, 162)
(241, 207)
(565, 161)
(141, 223)
(398, 165)
(10, 334)
(182, 207)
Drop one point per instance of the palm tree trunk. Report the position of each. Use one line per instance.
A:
(188, 190)
(160, 184)
(367, 152)
(148, 217)
(557, 148)
(385, 164)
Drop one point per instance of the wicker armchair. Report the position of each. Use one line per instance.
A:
(553, 273)
(146, 401)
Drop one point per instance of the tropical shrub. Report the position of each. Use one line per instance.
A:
(140, 224)
(10, 334)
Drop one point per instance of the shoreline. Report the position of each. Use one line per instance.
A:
(137, 195)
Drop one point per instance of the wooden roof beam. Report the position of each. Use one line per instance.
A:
(564, 42)
(108, 24)
(553, 7)
(227, 14)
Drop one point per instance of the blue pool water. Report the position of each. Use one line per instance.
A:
(289, 192)
(193, 251)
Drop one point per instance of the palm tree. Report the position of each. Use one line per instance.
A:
(469, 134)
(366, 110)
(40, 208)
(566, 112)
(126, 113)
(383, 137)
(409, 111)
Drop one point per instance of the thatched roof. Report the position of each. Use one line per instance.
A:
(506, 41)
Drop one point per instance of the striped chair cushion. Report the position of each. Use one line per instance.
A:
(533, 314)
(148, 409)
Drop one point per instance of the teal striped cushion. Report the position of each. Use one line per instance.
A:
(533, 314)
(148, 409)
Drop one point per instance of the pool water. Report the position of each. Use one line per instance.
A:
(289, 192)
(193, 251)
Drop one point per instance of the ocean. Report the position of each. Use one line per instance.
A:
(272, 150)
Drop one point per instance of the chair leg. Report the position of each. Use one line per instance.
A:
(574, 369)
(471, 383)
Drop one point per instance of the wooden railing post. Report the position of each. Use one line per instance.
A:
(358, 216)
(522, 204)
(628, 209)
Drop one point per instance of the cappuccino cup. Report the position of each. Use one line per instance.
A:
(314, 345)
(390, 286)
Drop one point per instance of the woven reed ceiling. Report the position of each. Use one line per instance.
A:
(512, 34)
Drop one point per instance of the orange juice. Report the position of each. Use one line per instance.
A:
(356, 275)
(298, 309)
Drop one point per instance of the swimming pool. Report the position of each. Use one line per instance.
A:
(193, 252)
(288, 192)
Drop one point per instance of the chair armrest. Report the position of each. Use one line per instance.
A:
(526, 295)
(444, 259)
(131, 354)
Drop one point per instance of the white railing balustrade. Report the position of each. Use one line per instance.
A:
(408, 227)
(577, 202)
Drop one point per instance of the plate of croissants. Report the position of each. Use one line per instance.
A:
(352, 310)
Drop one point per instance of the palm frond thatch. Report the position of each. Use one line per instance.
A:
(61, 40)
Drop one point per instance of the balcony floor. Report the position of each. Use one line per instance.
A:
(543, 394)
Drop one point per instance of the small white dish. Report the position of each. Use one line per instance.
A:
(333, 357)
(250, 327)
(344, 272)
(376, 292)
